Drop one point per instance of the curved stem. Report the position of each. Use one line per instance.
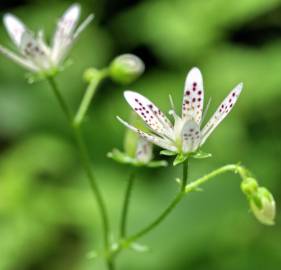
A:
(86, 163)
(88, 96)
(184, 190)
(124, 214)
(227, 168)
(165, 213)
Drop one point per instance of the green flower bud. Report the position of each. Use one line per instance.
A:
(249, 186)
(90, 74)
(126, 68)
(263, 206)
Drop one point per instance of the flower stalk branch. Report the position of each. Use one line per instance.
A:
(94, 81)
(185, 189)
(85, 159)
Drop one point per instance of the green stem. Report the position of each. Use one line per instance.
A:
(165, 213)
(227, 168)
(184, 190)
(88, 96)
(124, 214)
(86, 162)
(60, 99)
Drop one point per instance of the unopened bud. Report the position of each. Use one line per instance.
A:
(90, 74)
(126, 68)
(249, 186)
(263, 206)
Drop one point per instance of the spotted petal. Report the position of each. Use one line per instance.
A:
(190, 136)
(15, 28)
(32, 50)
(152, 116)
(222, 111)
(144, 150)
(65, 29)
(151, 138)
(193, 97)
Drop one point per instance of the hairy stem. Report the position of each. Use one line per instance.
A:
(124, 214)
(86, 163)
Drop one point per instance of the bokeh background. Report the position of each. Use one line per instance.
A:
(48, 218)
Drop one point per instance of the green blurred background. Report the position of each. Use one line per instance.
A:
(48, 218)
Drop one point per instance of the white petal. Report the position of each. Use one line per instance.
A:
(69, 19)
(222, 111)
(193, 96)
(151, 115)
(144, 150)
(14, 27)
(18, 59)
(83, 25)
(191, 136)
(151, 138)
(64, 32)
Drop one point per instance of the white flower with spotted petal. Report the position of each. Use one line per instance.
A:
(185, 135)
(33, 53)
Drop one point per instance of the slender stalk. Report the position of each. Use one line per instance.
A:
(124, 214)
(60, 99)
(184, 190)
(86, 163)
(88, 96)
(185, 175)
(227, 168)
(165, 213)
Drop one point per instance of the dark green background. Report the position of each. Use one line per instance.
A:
(48, 218)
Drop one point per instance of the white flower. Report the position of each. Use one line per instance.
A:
(185, 135)
(33, 53)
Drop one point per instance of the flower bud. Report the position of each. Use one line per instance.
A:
(126, 68)
(263, 206)
(249, 186)
(90, 74)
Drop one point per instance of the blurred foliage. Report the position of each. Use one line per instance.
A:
(48, 218)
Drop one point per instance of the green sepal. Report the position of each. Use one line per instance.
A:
(121, 157)
(139, 247)
(124, 158)
(200, 155)
(157, 163)
(42, 75)
(167, 153)
(180, 159)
